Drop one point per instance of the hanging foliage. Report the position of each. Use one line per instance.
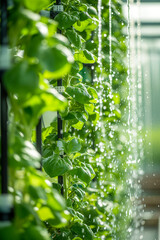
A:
(95, 204)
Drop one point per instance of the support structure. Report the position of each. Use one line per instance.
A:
(6, 206)
(4, 109)
(60, 136)
(39, 136)
(39, 139)
(56, 9)
(59, 120)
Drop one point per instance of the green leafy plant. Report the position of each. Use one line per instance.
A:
(95, 198)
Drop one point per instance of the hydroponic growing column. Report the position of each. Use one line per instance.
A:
(59, 8)
(56, 9)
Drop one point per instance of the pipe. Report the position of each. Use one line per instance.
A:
(4, 107)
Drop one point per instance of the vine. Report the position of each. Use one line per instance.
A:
(95, 198)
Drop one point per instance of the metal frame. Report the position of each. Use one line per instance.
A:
(6, 200)
(4, 107)
(56, 9)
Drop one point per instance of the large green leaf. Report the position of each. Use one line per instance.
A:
(45, 100)
(8, 231)
(78, 125)
(93, 93)
(84, 57)
(56, 166)
(36, 5)
(73, 146)
(66, 20)
(83, 231)
(24, 154)
(22, 78)
(82, 173)
(74, 38)
(89, 108)
(82, 25)
(35, 233)
(45, 213)
(83, 117)
(79, 93)
(55, 61)
(92, 11)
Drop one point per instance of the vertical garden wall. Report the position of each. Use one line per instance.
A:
(68, 57)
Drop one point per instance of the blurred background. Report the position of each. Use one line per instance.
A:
(145, 15)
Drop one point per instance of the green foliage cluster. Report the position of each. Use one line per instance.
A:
(95, 204)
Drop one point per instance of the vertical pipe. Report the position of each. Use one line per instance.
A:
(4, 109)
(39, 138)
(4, 38)
(4, 140)
(60, 124)
(58, 2)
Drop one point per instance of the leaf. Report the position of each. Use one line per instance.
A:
(85, 57)
(35, 233)
(66, 20)
(82, 25)
(82, 173)
(56, 166)
(45, 100)
(45, 213)
(74, 38)
(55, 61)
(37, 192)
(25, 211)
(89, 166)
(8, 231)
(93, 93)
(30, 14)
(24, 154)
(78, 191)
(36, 5)
(82, 7)
(34, 45)
(116, 98)
(78, 125)
(94, 117)
(79, 93)
(77, 238)
(55, 201)
(117, 113)
(73, 146)
(83, 117)
(89, 108)
(75, 68)
(82, 230)
(60, 219)
(22, 78)
(84, 16)
(92, 11)
(77, 215)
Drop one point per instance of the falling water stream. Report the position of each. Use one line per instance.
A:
(135, 147)
(129, 160)
(140, 147)
(99, 82)
(100, 55)
(135, 144)
(110, 45)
